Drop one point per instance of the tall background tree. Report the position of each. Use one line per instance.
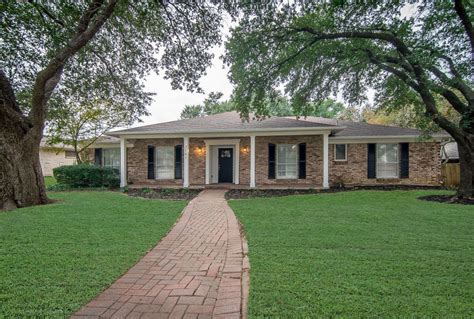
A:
(415, 54)
(281, 106)
(105, 47)
(79, 123)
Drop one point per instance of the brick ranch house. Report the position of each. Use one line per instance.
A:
(278, 152)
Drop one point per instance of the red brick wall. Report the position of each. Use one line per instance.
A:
(425, 163)
(424, 166)
(314, 160)
(137, 161)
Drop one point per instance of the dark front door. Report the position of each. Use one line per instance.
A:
(226, 165)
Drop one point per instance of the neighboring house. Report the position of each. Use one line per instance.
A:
(52, 156)
(278, 152)
(106, 152)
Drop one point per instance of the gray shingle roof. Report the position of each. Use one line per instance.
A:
(223, 122)
(231, 122)
(364, 129)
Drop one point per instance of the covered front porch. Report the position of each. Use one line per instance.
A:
(266, 160)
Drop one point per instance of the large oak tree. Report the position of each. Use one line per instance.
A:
(105, 47)
(411, 54)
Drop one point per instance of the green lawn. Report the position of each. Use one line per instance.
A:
(359, 254)
(54, 258)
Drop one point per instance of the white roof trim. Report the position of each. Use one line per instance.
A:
(247, 131)
(382, 138)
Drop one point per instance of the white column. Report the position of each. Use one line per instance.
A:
(252, 161)
(237, 163)
(123, 162)
(186, 161)
(325, 161)
(208, 164)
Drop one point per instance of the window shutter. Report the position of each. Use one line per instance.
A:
(302, 161)
(178, 162)
(151, 162)
(271, 160)
(98, 156)
(371, 161)
(404, 160)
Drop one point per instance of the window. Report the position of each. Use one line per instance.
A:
(287, 161)
(70, 154)
(111, 157)
(165, 162)
(387, 161)
(340, 152)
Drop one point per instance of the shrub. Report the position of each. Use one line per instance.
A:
(86, 175)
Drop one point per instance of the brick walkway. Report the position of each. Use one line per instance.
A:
(197, 271)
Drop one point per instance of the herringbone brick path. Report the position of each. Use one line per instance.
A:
(197, 271)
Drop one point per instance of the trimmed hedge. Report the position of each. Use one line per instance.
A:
(86, 175)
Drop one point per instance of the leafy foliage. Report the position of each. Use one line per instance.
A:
(328, 108)
(85, 176)
(211, 105)
(139, 37)
(314, 51)
(414, 55)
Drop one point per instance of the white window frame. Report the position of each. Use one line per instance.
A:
(378, 162)
(104, 151)
(277, 162)
(171, 174)
(345, 153)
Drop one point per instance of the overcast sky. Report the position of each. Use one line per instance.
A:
(168, 103)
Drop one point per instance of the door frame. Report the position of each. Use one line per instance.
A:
(224, 143)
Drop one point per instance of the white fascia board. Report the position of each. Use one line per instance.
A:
(282, 132)
(384, 139)
(109, 145)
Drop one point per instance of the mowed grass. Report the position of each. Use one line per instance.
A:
(55, 258)
(359, 254)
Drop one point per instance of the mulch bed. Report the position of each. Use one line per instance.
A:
(164, 193)
(449, 199)
(252, 193)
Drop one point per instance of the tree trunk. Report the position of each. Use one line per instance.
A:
(466, 161)
(21, 178)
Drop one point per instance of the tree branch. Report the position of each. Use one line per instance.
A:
(456, 83)
(42, 9)
(384, 36)
(48, 78)
(466, 22)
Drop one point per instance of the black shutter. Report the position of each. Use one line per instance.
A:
(302, 161)
(271, 161)
(98, 156)
(178, 162)
(151, 162)
(404, 160)
(371, 161)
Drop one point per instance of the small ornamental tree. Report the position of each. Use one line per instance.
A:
(411, 53)
(104, 47)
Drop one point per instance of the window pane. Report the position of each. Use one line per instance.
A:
(287, 161)
(165, 162)
(111, 157)
(387, 160)
(340, 151)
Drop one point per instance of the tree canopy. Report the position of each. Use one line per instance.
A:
(97, 50)
(419, 54)
(281, 106)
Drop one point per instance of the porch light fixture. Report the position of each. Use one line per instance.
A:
(199, 150)
(245, 149)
